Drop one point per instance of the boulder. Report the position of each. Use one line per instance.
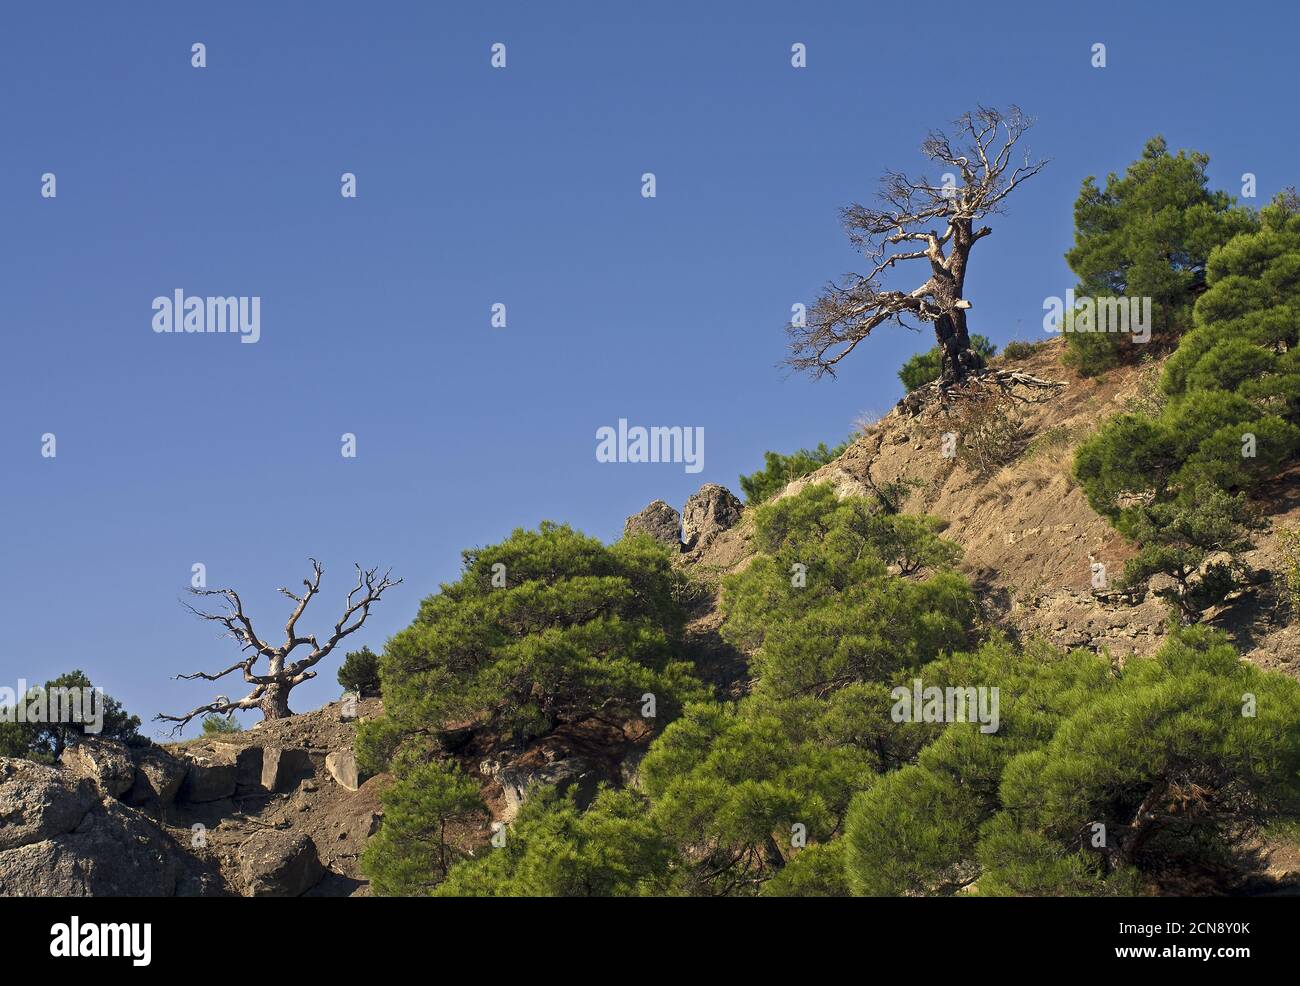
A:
(158, 776)
(578, 774)
(106, 763)
(248, 766)
(709, 511)
(211, 777)
(38, 803)
(114, 852)
(60, 838)
(283, 767)
(342, 765)
(279, 864)
(660, 521)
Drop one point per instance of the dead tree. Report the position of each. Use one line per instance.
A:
(921, 220)
(270, 691)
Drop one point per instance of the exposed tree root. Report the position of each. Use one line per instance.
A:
(1024, 388)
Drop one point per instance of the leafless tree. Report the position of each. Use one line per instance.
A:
(920, 220)
(270, 691)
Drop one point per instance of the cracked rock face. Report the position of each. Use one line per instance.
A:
(158, 777)
(660, 521)
(578, 774)
(58, 839)
(37, 803)
(106, 763)
(708, 512)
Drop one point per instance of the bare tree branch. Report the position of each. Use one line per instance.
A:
(270, 691)
(919, 219)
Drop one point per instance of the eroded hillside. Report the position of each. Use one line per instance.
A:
(1029, 537)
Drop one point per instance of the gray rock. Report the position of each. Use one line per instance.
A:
(630, 769)
(660, 521)
(211, 777)
(248, 766)
(105, 762)
(279, 864)
(578, 774)
(39, 803)
(342, 765)
(709, 511)
(114, 852)
(59, 838)
(282, 768)
(158, 777)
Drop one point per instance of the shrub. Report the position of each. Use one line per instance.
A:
(1017, 350)
(989, 435)
(1175, 476)
(1177, 538)
(818, 608)
(547, 628)
(555, 850)
(413, 852)
(778, 470)
(1155, 755)
(721, 791)
(573, 627)
(45, 742)
(360, 673)
(218, 725)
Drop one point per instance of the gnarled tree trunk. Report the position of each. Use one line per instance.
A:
(270, 692)
(275, 702)
(922, 221)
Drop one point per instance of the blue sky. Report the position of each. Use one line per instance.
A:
(478, 186)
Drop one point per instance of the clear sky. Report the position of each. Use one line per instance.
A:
(479, 186)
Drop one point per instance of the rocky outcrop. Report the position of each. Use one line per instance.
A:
(38, 803)
(238, 813)
(211, 777)
(518, 781)
(278, 769)
(59, 839)
(709, 511)
(283, 767)
(158, 777)
(105, 763)
(279, 864)
(113, 852)
(660, 521)
(248, 766)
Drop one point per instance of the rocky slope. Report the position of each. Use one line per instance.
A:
(278, 810)
(1031, 540)
(281, 810)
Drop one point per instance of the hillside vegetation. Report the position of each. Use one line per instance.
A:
(1075, 570)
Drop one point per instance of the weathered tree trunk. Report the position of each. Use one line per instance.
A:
(956, 357)
(1147, 821)
(275, 702)
(270, 691)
